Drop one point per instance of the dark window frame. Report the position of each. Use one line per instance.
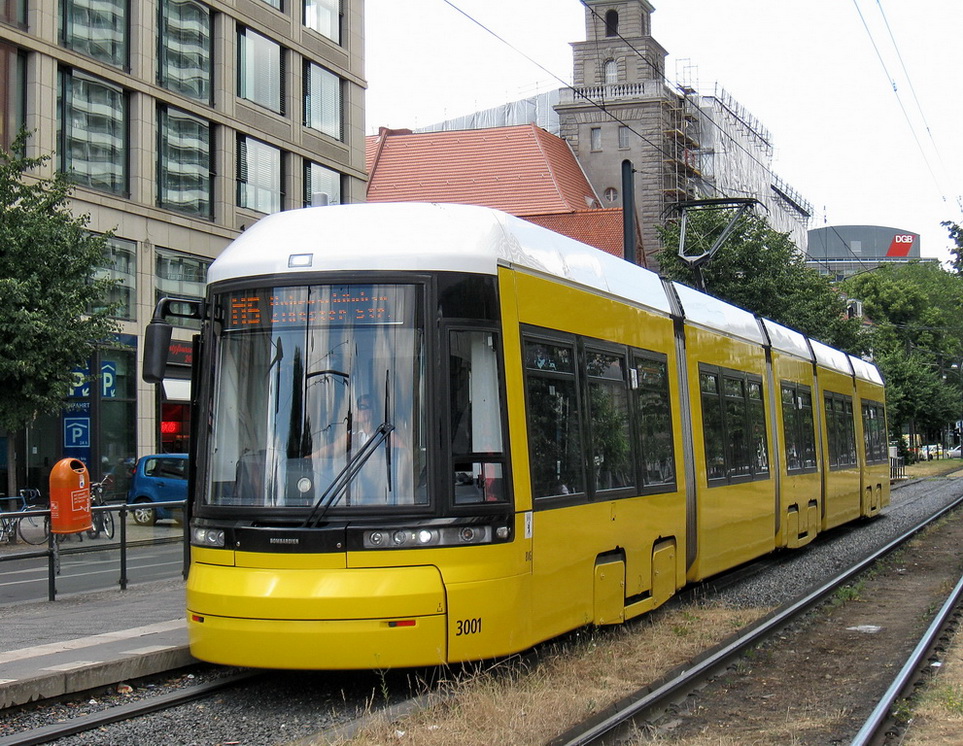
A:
(163, 172)
(840, 430)
(638, 429)
(68, 76)
(875, 441)
(736, 410)
(794, 424)
(165, 53)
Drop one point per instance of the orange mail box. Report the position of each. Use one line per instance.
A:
(69, 497)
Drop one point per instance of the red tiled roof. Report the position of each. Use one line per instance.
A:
(599, 228)
(522, 170)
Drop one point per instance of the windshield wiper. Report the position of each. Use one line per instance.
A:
(332, 494)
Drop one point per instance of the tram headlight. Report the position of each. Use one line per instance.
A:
(207, 537)
(447, 536)
(375, 538)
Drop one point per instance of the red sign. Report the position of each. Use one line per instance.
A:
(901, 244)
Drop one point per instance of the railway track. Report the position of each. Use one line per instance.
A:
(623, 722)
(352, 707)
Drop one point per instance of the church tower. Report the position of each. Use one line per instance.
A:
(621, 108)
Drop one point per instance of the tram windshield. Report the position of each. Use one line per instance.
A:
(305, 378)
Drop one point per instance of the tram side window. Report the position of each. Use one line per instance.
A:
(478, 459)
(734, 425)
(758, 443)
(555, 441)
(654, 418)
(841, 430)
(874, 433)
(609, 416)
(797, 421)
(713, 430)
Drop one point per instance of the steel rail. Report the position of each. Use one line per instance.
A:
(914, 663)
(648, 699)
(129, 711)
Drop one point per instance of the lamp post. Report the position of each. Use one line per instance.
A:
(958, 367)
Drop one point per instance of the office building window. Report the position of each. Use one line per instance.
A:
(13, 88)
(324, 16)
(96, 28)
(322, 100)
(185, 49)
(93, 132)
(14, 12)
(120, 265)
(259, 176)
(275, 4)
(184, 163)
(322, 186)
(260, 70)
(179, 275)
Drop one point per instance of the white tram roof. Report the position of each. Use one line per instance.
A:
(831, 358)
(426, 237)
(865, 370)
(713, 313)
(786, 340)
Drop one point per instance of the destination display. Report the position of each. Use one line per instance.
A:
(317, 304)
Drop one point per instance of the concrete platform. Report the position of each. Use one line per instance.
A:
(85, 641)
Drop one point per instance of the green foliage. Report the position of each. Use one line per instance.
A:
(761, 270)
(917, 338)
(956, 233)
(48, 260)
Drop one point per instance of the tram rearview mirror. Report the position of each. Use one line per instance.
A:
(157, 341)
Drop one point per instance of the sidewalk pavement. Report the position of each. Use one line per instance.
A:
(90, 640)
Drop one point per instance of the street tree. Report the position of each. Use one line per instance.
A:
(956, 234)
(762, 270)
(54, 308)
(916, 310)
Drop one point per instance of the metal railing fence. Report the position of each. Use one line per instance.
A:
(56, 548)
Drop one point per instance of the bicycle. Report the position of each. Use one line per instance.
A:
(33, 529)
(101, 521)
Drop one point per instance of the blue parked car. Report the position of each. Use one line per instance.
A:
(158, 478)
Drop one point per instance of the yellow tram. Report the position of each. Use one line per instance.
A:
(436, 433)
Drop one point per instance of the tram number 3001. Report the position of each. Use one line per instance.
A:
(468, 627)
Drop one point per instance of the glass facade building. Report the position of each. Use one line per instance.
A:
(179, 123)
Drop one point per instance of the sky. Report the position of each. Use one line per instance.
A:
(863, 98)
